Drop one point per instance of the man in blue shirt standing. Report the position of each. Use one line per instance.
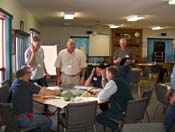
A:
(170, 115)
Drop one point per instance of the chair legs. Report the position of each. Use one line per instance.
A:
(147, 116)
(118, 129)
(139, 88)
(94, 128)
(164, 109)
(104, 128)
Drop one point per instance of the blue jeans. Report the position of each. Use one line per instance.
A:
(105, 119)
(169, 118)
(43, 122)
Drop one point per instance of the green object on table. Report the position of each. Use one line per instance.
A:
(66, 88)
(69, 92)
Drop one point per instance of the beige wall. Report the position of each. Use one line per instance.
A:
(61, 34)
(148, 33)
(51, 35)
(19, 13)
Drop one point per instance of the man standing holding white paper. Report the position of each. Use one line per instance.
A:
(123, 59)
(69, 64)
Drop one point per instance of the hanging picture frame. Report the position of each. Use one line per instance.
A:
(127, 36)
(22, 25)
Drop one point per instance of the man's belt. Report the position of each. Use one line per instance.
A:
(71, 75)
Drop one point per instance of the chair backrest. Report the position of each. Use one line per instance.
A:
(135, 110)
(4, 93)
(7, 116)
(4, 83)
(147, 93)
(134, 76)
(160, 93)
(81, 115)
(155, 68)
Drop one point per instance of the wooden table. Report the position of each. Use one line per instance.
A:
(136, 69)
(145, 64)
(146, 67)
(59, 102)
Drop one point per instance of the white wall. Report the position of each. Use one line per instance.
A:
(148, 33)
(50, 35)
(19, 13)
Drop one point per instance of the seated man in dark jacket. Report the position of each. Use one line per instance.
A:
(22, 92)
(118, 93)
(98, 81)
(96, 77)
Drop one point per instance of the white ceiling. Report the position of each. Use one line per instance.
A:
(102, 12)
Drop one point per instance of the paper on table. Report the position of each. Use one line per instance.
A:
(53, 87)
(83, 87)
(61, 103)
(50, 97)
(83, 99)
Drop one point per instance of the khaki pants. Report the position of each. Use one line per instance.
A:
(70, 80)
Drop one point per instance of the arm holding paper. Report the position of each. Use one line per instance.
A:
(46, 91)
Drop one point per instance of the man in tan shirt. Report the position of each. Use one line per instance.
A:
(69, 63)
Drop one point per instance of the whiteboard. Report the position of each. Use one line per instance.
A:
(99, 45)
(50, 55)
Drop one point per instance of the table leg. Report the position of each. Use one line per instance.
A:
(58, 119)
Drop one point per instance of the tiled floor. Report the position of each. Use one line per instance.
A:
(157, 117)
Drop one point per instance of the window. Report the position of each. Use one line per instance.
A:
(21, 44)
(33, 33)
(82, 43)
(2, 73)
(163, 45)
(5, 46)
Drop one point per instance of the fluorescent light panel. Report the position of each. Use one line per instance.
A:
(135, 18)
(114, 26)
(68, 15)
(172, 2)
(157, 28)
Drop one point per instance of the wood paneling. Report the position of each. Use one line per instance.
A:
(134, 42)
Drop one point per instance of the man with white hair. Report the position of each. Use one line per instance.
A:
(69, 64)
(123, 58)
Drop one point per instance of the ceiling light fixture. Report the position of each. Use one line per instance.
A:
(171, 2)
(68, 15)
(157, 28)
(114, 26)
(135, 18)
